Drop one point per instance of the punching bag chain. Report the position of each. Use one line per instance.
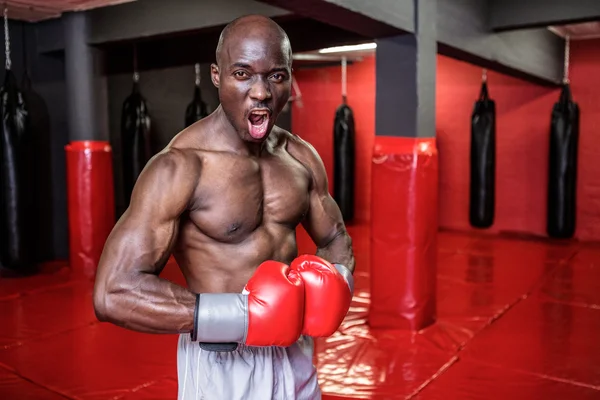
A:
(567, 55)
(6, 40)
(197, 70)
(344, 67)
(136, 75)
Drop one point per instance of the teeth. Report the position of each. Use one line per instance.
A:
(259, 112)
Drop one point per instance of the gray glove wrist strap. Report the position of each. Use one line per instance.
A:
(345, 272)
(221, 317)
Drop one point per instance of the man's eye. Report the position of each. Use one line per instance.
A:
(240, 74)
(278, 77)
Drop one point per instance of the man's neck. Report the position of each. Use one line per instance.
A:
(233, 139)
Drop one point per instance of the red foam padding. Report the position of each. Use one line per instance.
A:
(91, 203)
(404, 228)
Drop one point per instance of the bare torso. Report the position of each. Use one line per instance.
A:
(244, 211)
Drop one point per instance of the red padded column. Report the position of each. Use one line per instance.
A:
(404, 223)
(91, 203)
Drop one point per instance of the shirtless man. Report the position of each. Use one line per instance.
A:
(225, 197)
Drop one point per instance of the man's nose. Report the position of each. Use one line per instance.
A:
(260, 90)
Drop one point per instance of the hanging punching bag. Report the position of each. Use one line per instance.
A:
(562, 174)
(38, 161)
(135, 138)
(483, 160)
(197, 109)
(343, 145)
(13, 213)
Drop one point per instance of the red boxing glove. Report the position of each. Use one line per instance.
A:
(275, 305)
(269, 312)
(328, 293)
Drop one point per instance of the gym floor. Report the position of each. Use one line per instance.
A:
(517, 319)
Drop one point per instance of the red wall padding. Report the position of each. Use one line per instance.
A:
(91, 203)
(523, 123)
(404, 212)
(585, 81)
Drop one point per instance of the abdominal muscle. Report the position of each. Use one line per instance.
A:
(211, 266)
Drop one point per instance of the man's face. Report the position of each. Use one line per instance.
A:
(254, 81)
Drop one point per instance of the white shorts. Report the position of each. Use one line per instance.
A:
(247, 373)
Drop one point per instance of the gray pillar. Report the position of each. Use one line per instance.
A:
(405, 78)
(86, 88)
(405, 179)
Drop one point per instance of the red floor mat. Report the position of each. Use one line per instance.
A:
(13, 386)
(517, 319)
(551, 339)
(471, 381)
(100, 361)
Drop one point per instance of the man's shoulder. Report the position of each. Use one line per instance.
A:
(305, 153)
(173, 165)
(295, 145)
(173, 157)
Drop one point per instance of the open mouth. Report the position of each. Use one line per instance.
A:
(258, 123)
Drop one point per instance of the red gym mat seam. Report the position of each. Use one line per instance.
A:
(146, 385)
(44, 289)
(443, 369)
(543, 376)
(48, 388)
(24, 342)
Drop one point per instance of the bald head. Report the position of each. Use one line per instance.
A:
(253, 74)
(253, 26)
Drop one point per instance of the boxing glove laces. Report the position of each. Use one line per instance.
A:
(268, 312)
(328, 294)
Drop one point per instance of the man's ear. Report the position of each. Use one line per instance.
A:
(214, 74)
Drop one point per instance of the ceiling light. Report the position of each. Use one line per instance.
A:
(354, 47)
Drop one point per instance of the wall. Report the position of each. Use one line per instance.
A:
(523, 123)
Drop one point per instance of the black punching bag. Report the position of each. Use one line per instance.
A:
(483, 161)
(197, 109)
(343, 148)
(14, 243)
(38, 172)
(562, 174)
(135, 138)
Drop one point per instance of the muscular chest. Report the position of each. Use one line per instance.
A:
(246, 193)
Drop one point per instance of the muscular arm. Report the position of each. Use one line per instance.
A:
(323, 222)
(128, 291)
